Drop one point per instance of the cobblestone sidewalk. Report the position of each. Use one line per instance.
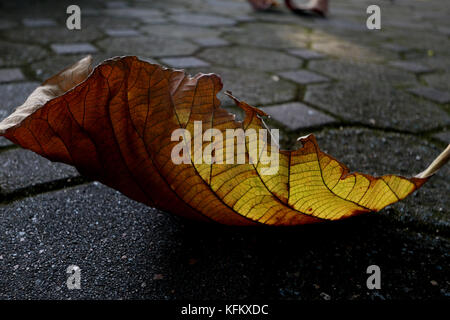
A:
(379, 101)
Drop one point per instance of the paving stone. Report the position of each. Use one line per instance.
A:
(184, 62)
(444, 30)
(73, 48)
(281, 16)
(440, 81)
(108, 22)
(179, 31)
(211, 42)
(432, 14)
(338, 37)
(202, 20)
(154, 20)
(306, 54)
(244, 18)
(21, 168)
(136, 13)
(109, 236)
(91, 12)
(351, 70)
(177, 9)
(227, 6)
(376, 103)
(48, 67)
(47, 35)
(122, 32)
(8, 75)
(436, 62)
(424, 40)
(5, 142)
(13, 95)
(45, 227)
(411, 66)
(409, 25)
(34, 11)
(149, 60)
(296, 115)
(38, 22)
(318, 36)
(304, 77)
(7, 24)
(346, 12)
(341, 24)
(116, 4)
(254, 87)
(14, 54)
(228, 29)
(444, 136)
(149, 46)
(270, 36)
(250, 58)
(380, 153)
(431, 94)
(351, 51)
(396, 47)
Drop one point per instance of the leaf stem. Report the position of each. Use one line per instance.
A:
(441, 160)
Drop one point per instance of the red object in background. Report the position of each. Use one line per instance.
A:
(313, 7)
(262, 5)
(319, 7)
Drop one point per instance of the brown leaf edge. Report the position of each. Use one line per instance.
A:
(55, 86)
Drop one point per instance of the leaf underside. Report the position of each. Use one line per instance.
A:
(115, 126)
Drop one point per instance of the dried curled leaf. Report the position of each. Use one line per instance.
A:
(115, 126)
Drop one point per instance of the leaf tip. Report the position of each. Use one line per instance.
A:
(245, 106)
(55, 86)
(308, 137)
